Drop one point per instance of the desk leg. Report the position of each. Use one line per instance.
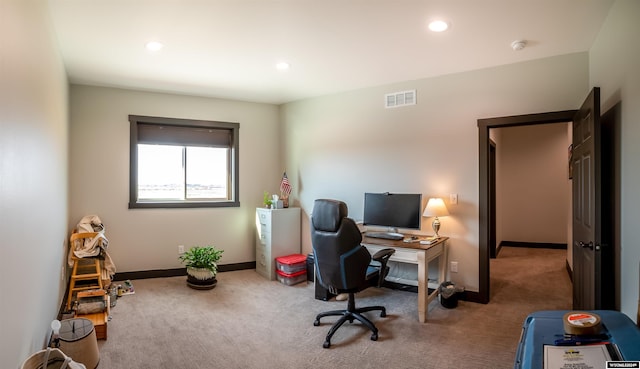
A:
(423, 287)
(443, 261)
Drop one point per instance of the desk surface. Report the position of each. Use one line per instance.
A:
(400, 243)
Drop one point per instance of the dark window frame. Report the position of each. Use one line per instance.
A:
(234, 185)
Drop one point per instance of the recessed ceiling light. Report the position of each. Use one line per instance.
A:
(283, 66)
(438, 26)
(154, 46)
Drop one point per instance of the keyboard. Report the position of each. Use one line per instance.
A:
(385, 235)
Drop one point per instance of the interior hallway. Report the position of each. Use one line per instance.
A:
(523, 277)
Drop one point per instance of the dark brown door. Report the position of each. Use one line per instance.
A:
(587, 204)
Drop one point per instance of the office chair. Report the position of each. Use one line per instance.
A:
(343, 265)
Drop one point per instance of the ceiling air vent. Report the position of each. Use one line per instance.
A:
(401, 98)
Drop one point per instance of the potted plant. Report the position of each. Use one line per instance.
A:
(266, 200)
(202, 266)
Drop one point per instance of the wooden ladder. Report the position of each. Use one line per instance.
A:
(86, 273)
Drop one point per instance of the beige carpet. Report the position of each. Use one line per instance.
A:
(249, 322)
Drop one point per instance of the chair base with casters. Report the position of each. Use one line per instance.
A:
(351, 314)
(375, 278)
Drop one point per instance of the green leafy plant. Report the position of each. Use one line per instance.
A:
(266, 199)
(206, 257)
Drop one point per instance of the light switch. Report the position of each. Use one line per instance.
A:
(453, 198)
(454, 267)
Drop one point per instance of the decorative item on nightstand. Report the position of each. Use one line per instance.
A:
(435, 208)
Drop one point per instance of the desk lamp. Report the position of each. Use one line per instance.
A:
(435, 208)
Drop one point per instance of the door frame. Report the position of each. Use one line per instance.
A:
(484, 125)
(493, 232)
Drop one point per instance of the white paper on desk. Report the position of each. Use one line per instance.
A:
(429, 240)
(576, 357)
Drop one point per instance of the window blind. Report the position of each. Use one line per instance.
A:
(163, 134)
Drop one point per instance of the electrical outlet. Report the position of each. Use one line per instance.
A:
(454, 267)
(181, 249)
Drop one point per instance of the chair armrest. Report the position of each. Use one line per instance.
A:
(382, 257)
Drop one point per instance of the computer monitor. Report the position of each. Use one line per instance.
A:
(393, 210)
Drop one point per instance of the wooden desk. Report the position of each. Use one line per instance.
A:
(416, 253)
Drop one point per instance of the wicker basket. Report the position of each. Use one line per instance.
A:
(51, 359)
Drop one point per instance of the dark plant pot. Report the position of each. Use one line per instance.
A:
(201, 284)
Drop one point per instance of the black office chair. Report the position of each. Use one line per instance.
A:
(343, 265)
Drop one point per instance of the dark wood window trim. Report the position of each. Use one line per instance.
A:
(228, 131)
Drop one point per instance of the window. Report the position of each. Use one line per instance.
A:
(181, 163)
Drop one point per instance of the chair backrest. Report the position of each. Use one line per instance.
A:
(85, 244)
(341, 261)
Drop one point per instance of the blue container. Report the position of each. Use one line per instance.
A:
(545, 327)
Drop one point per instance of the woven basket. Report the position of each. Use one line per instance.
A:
(51, 359)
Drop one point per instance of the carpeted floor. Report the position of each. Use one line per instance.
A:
(249, 322)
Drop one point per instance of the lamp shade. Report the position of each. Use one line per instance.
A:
(435, 208)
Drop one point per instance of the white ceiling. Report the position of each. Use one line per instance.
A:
(229, 48)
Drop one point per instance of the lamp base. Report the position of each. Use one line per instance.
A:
(436, 227)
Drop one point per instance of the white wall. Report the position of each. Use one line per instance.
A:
(33, 178)
(343, 145)
(147, 239)
(534, 184)
(614, 61)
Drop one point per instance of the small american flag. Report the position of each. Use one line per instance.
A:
(285, 186)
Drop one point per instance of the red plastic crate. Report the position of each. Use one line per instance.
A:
(291, 263)
(291, 278)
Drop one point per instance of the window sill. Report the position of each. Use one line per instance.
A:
(184, 204)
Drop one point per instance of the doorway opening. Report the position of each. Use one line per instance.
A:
(530, 214)
(485, 185)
